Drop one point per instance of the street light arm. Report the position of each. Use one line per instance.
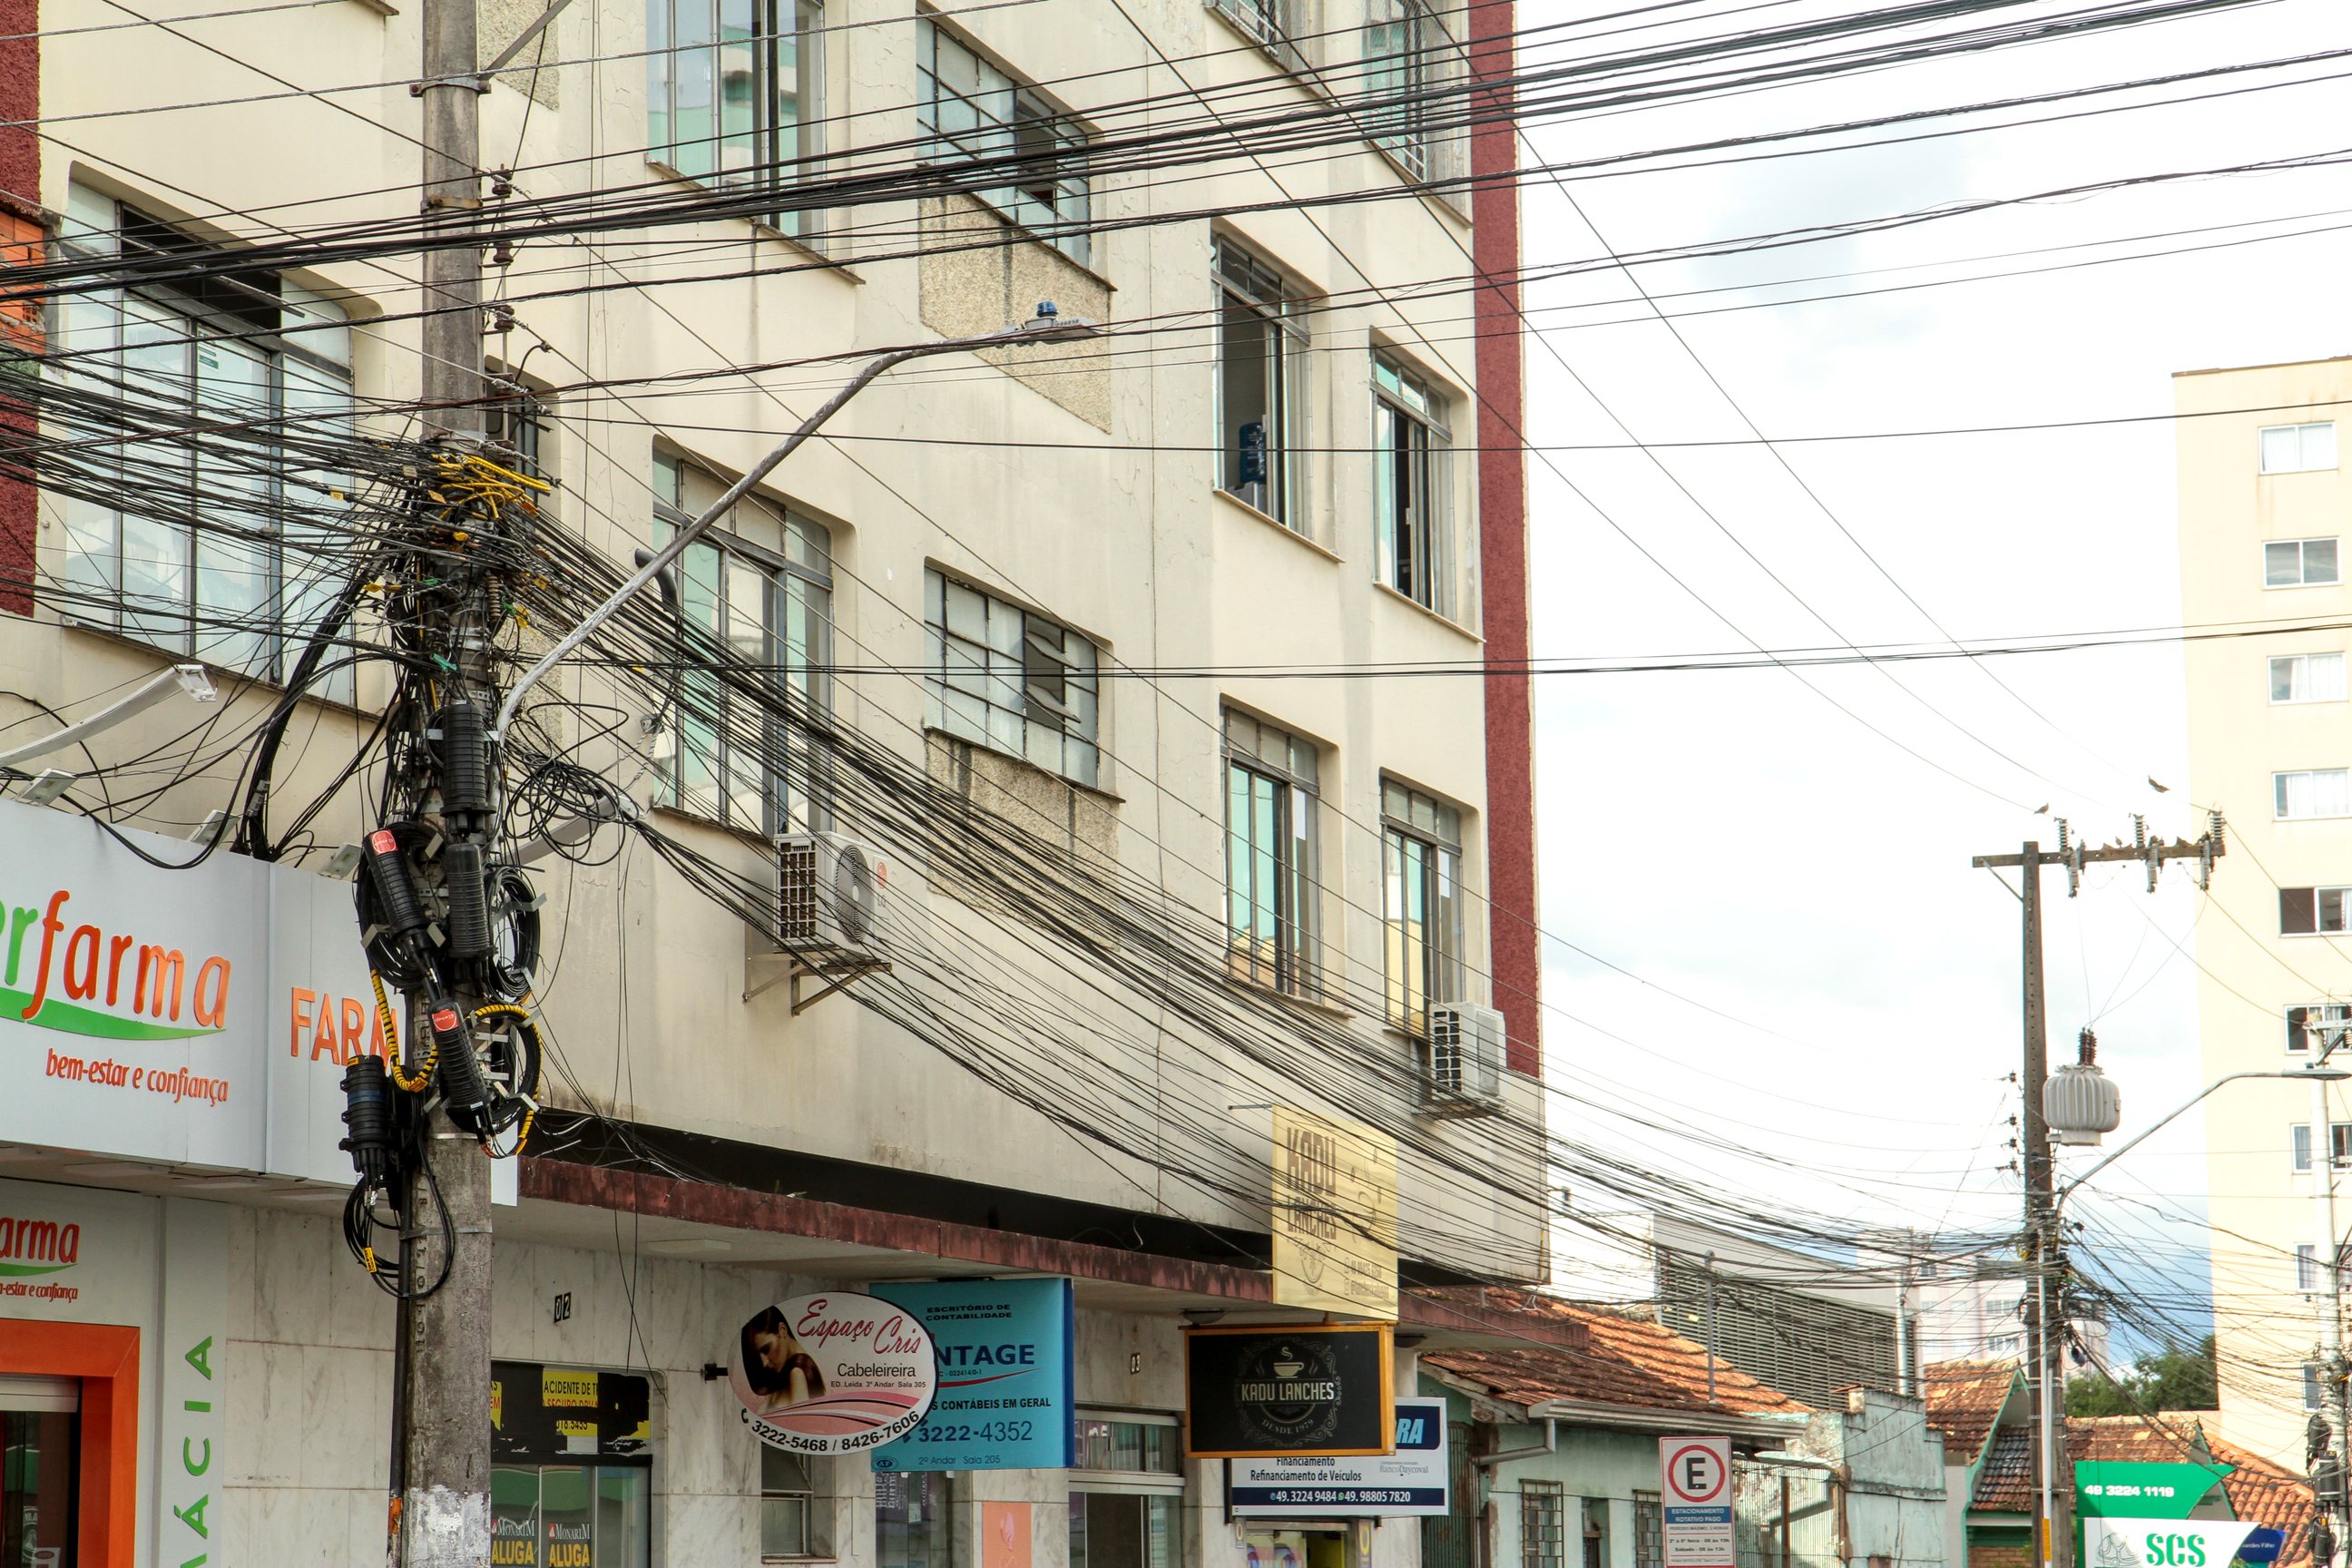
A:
(1047, 327)
(2300, 1075)
(566, 645)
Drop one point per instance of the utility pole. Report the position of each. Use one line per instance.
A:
(2327, 1471)
(2045, 1306)
(443, 1501)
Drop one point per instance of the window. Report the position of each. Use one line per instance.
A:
(758, 589)
(2297, 448)
(1127, 1492)
(2304, 911)
(2307, 677)
(1262, 360)
(1012, 680)
(2310, 1386)
(1543, 1535)
(1406, 56)
(2301, 1138)
(2319, 792)
(2306, 1268)
(2339, 1140)
(521, 422)
(1649, 1531)
(913, 1520)
(1420, 860)
(2303, 1024)
(1270, 22)
(1412, 540)
(244, 588)
(1596, 1532)
(571, 1465)
(1272, 893)
(970, 111)
(734, 93)
(2299, 562)
(787, 1507)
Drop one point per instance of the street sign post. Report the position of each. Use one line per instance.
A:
(1694, 1494)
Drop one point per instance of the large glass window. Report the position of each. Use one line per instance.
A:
(234, 547)
(2313, 791)
(1262, 358)
(734, 94)
(2307, 677)
(913, 1520)
(1010, 679)
(1405, 56)
(1413, 542)
(570, 1468)
(2300, 563)
(1127, 1492)
(1421, 857)
(1271, 891)
(970, 110)
(759, 585)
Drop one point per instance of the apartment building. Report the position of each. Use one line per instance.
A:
(2263, 508)
(1295, 444)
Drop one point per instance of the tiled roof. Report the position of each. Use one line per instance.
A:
(2257, 1489)
(1964, 1400)
(2005, 1484)
(2271, 1493)
(1630, 1361)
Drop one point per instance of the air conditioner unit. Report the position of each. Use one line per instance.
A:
(1465, 1060)
(829, 892)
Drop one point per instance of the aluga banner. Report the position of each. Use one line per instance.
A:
(834, 1373)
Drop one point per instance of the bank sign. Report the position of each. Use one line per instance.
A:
(197, 1018)
(1007, 1395)
(1410, 1482)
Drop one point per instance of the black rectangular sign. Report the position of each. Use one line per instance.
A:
(1258, 1393)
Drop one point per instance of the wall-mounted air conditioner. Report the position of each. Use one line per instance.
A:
(1465, 1060)
(829, 895)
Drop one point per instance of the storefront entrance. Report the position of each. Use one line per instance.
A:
(40, 1449)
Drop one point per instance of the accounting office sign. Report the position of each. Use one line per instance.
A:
(1259, 1393)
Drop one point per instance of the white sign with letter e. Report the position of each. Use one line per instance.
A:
(1694, 1494)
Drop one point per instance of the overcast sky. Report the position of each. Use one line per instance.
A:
(1733, 837)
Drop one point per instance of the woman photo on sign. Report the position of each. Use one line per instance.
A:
(775, 1369)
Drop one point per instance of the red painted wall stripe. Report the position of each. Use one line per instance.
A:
(1516, 962)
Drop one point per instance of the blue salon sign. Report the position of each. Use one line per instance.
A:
(1007, 1397)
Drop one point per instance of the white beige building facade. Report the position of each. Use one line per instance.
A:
(2264, 508)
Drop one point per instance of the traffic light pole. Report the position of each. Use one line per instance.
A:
(2045, 1307)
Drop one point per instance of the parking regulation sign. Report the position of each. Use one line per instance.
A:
(1694, 1494)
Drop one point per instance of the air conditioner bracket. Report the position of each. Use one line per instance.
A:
(772, 970)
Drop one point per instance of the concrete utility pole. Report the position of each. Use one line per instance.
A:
(2045, 1304)
(444, 1499)
(2328, 1259)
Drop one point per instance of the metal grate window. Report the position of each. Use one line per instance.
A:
(1805, 1345)
(1543, 1525)
(1649, 1531)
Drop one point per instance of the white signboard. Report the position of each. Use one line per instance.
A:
(200, 1017)
(2163, 1542)
(834, 1373)
(1410, 1482)
(1694, 1494)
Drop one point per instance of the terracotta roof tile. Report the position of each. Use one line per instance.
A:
(1631, 1360)
(2273, 1494)
(2005, 1484)
(1964, 1400)
(2257, 1489)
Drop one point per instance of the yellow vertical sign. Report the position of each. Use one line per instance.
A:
(1335, 1204)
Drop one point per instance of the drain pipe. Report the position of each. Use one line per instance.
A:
(1550, 1445)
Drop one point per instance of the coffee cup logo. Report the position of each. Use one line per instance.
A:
(1289, 1390)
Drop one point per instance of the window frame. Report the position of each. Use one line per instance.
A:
(2309, 906)
(1271, 24)
(2298, 670)
(977, 133)
(1252, 284)
(786, 806)
(1414, 827)
(2279, 795)
(2298, 1029)
(1543, 1520)
(1293, 799)
(1411, 431)
(813, 1545)
(2303, 579)
(1411, 73)
(955, 668)
(1649, 1531)
(287, 350)
(2301, 430)
(772, 165)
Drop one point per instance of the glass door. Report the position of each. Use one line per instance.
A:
(40, 1433)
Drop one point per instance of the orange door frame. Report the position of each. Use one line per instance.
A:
(105, 1357)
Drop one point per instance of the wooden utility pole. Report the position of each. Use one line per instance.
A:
(2045, 1246)
(444, 1498)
